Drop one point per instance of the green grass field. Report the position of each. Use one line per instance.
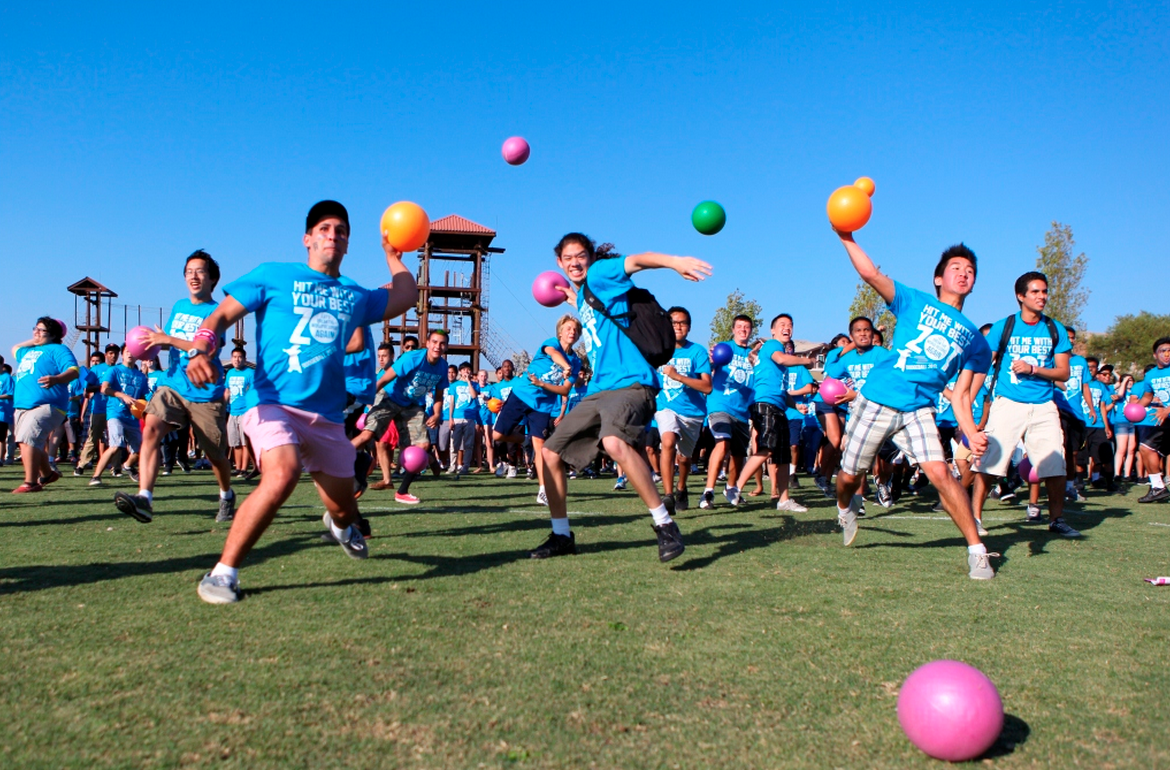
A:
(766, 645)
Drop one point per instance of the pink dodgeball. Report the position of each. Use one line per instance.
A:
(515, 150)
(950, 710)
(544, 288)
(414, 459)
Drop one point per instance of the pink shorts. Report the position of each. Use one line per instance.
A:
(323, 445)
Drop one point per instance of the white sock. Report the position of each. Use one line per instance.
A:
(709, 489)
(147, 494)
(660, 515)
(226, 494)
(1156, 481)
(223, 569)
(791, 469)
(976, 549)
(843, 511)
(342, 535)
(560, 527)
(542, 489)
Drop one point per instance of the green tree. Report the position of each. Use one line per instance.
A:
(867, 302)
(1126, 343)
(1066, 297)
(724, 317)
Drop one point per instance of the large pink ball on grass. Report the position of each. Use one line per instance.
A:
(515, 150)
(136, 345)
(950, 710)
(544, 288)
(414, 459)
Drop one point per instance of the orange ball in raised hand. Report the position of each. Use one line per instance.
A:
(866, 185)
(849, 209)
(406, 226)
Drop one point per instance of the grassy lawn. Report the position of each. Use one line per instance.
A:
(767, 644)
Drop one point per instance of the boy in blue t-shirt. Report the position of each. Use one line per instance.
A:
(1036, 354)
(728, 417)
(123, 386)
(932, 342)
(237, 387)
(681, 408)
(1153, 434)
(534, 400)
(44, 369)
(416, 375)
(464, 395)
(178, 403)
(95, 442)
(306, 316)
(7, 388)
(621, 400)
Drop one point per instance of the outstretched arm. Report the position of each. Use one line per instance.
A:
(865, 268)
(403, 289)
(688, 267)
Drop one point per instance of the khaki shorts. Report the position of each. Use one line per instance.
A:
(412, 426)
(207, 420)
(686, 428)
(34, 426)
(1038, 425)
(623, 413)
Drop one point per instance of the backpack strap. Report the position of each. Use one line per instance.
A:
(593, 301)
(1008, 325)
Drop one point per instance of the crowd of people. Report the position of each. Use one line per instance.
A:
(971, 411)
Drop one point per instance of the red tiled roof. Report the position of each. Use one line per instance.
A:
(453, 223)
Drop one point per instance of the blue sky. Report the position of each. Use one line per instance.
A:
(131, 136)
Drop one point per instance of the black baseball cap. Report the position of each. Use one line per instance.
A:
(325, 210)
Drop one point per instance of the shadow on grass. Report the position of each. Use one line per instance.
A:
(1015, 733)
(743, 537)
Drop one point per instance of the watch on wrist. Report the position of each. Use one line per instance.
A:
(194, 352)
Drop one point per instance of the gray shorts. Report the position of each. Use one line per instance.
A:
(623, 413)
(34, 426)
(125, 433)
(686, 428)
(738, 433)
(235, 432)
(463, 437)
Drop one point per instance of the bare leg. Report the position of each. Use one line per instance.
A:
(666, 463)
(282, 471)
(954, 499)
(555, 484)
(637, 471)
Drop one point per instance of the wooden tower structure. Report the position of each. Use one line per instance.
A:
(452, 281)
(92, 294)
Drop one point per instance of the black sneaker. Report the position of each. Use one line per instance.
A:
(251, 474)
(794, 482)
(556, 545)
(1160, 495)
(670, 544)
(186, 466)
(361, 474)
(135, 506)
(668, 501)
(133, 474)
(77, 471)
(682, 500)
(1007, 496)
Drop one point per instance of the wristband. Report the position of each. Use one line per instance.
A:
(208, 336)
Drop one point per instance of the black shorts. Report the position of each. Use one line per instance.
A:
(514, 413)
(771, 426)
(1098, 447)
(653, 437)
(1074, 434)
(794, 429)
(1156, 437)
(946, 434)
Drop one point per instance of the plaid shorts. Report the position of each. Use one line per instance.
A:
(871, 424)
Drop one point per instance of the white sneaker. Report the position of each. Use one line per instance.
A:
(732, 495)
(791, 506)
(655, 478)
(501, 469)
(511, 472)
(542, 498)
(979, 528)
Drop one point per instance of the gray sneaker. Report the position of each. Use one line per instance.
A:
(219, 589)
(791, 506)
(1059, 527)
(732, 495)
(134, 505)
(848, 522)
(227, 509)
(355, 547)
(1034, 515)
(979, 528)
(979, 566)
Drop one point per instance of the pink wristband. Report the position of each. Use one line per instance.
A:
(208, 336)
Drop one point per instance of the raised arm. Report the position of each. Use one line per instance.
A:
(688, 267)
(865, 268)
(403, 288)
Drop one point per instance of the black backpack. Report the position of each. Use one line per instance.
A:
(649, 325)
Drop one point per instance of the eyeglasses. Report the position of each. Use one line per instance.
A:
(40, 329)
(195, 273)
(680, 323)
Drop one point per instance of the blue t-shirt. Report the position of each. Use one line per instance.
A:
(691, 361)
(770, 379)
(1072, 398)
(944, 414)
(186, 318)
(546, 371)
(485, 394)
(77, 394)
(304, 320)
(978, 402)
(97, 400)
(1032, 344)
(615, 360)
(32, 363)
(853, 368)
(238, 384)
(503, 388)
(831, 359)
(360, 377)
(7, 388)
(414, 378)
(932, 341)
(575, 395)
(154, 378)
(466, 401)
(128, 380)
(731, 385)
(1156, 381)
(1102, 395)
(797, 378)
